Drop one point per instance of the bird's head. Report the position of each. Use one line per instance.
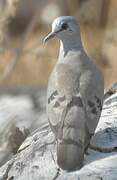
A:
(63, 26)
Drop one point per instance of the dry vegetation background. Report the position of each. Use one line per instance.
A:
(24, 23)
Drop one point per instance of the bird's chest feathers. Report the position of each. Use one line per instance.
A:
(66, 79)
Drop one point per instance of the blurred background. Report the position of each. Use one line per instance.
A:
(25, 61)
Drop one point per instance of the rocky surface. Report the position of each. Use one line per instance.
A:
(36, 157)
(22, 110)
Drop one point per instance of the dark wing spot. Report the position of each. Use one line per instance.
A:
(55, 93)
(99, 103)
(61, 99)
(91, 104)
(76, 101)
(97, 99)
(94, 107)
(94, 111)
(50, 98)
(56, 104)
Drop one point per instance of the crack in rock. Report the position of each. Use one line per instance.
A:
(57, 174)
(20, 150)
(11, 178)
(103, 150)
(5, 176)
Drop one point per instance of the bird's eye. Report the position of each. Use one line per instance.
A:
(64, 26)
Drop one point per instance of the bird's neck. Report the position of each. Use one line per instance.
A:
(68, 44)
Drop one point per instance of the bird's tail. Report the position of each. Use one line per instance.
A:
(70, 155)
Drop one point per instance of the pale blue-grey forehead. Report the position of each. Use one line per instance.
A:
(63, 19)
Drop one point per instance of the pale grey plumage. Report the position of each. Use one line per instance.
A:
(75, 95)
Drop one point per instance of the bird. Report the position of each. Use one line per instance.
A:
(74, 95)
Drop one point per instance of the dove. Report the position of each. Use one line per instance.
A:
(74, 95)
